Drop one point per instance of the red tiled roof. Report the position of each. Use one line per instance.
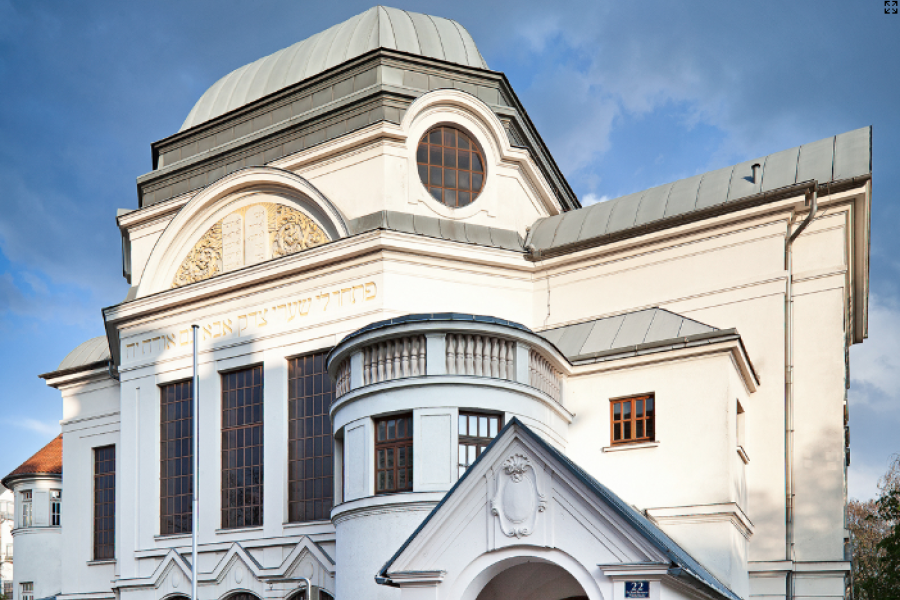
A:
(46, 461)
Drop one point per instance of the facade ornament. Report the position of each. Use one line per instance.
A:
(518, 499)
(252, 234)
(294, 231)
(204, 260)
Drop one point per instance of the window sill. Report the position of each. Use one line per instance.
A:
(637, 446)
(105, 561)
(239, 529)
(743, 454)
(294, 524)
(172, 536)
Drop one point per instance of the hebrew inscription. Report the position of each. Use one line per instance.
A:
(248, 236)
(258, 320)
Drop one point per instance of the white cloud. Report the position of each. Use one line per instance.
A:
(41, 427)
(876, 363)
(862, 480)
(592, 198)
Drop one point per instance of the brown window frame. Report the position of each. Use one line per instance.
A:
(391, 448)
(310, 440)
(646, 423)
(176, 454)
(478, 442)
(104, 502)
(434, 144)
(243, 447)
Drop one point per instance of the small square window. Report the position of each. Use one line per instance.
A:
(633, 420)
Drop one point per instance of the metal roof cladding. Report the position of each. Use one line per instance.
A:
(378, 27)
(583, 340)
(86, 353)
(456, 231)
(834, 159)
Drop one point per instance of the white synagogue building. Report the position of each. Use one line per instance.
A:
(428, 373)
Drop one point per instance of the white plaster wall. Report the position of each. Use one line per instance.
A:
(365, 541)
(37, 548)
(693, 461)
(80, 573)
(143, 239)
(734, 278)
(818, 415)
(719, 547)
(93, 399)
(6, 527)
(382, 175)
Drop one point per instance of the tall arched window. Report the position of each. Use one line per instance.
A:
(451, 166)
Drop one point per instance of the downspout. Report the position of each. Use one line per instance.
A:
(812, 197)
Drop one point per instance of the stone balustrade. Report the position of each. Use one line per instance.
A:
(429, 346)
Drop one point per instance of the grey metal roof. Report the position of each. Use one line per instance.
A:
(831, 160)
(86, 353)
(681, 563)
(592, 338)
(446, 229)
(379, 26)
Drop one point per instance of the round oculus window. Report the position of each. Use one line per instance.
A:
(451, 166)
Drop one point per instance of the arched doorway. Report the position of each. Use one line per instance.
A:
(300, 594)
(242, 596)
(533, 581)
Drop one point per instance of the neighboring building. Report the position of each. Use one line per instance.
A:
(427, 372)
(36, 486)
(7, 516)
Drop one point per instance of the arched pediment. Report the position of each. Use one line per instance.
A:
(251, 216)
(511, 173)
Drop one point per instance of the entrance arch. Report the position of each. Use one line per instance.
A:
(300, 594)
(533, 581)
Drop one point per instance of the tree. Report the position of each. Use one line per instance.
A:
(875, 535)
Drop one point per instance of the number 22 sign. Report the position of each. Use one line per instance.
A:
(637, 589)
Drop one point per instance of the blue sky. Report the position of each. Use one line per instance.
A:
(627, 95)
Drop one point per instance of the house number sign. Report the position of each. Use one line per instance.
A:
(637, 589)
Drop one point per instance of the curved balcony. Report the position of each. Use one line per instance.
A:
(449, 349)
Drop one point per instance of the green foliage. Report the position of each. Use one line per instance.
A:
(889, 511)
(875, 529)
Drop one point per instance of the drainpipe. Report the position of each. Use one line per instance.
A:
(308, 587)
(812, 197)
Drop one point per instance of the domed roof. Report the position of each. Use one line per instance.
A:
(379, 26)
(86, 353)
